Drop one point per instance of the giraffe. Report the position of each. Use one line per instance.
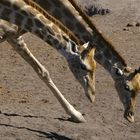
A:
(71, 15)
(27, 18)
(106, 55)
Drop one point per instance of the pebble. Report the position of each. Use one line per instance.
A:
(133, 25)
(129, 25)
(138, 24)
(125, 29)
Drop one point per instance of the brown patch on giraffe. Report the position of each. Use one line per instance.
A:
(38, 33)
(23, 12)
(38, 23)
(19, 18)
(55, 41)
(29, 24)
(15, 7)
(7, 3)
(6, 13)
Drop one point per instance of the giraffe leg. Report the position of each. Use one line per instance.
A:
(10, 33)
(19, 45)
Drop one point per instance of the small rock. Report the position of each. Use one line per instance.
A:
(125, 29)
(8, 91)
(45, 101)
(138, 24)
(129, 25)
(23, 101)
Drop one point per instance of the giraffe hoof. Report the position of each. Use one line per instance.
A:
(77, 120)
(76, 117)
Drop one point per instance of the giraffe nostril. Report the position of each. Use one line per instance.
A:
(127, 87)
(130, 113)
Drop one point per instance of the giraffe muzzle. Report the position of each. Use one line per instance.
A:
(91, 96)
(129, 115)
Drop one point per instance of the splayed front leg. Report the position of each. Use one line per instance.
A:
(24, 52)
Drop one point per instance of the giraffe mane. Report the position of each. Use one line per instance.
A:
(94, 28)
(54, 20)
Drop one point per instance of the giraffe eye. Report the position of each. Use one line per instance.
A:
(83, 67)
(119, 72)
(127, 87)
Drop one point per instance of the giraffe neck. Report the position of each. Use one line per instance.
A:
(52, 19)
(66, 12)
(29, 19)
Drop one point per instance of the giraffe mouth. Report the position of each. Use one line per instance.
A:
(91, 97)
(90, 94)
(129, 115)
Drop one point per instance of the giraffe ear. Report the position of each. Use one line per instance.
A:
(87, 49)
(85, 45)
(118, 71)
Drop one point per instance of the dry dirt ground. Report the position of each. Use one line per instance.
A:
(29, 111)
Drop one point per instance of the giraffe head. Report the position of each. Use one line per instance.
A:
(82, 64)
(128, 88)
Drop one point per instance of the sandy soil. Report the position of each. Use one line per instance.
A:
(29, 111)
